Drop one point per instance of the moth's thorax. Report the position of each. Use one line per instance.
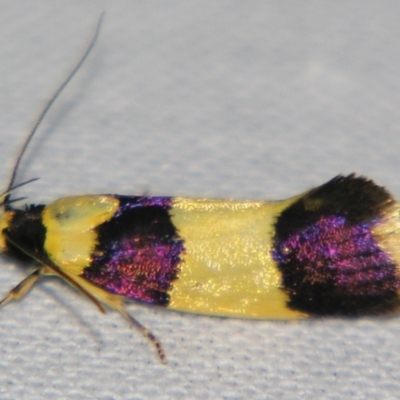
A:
(70, 225)
(5, 220)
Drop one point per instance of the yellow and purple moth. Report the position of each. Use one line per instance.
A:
(332, 250)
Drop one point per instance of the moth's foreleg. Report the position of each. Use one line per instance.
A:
(22, 288)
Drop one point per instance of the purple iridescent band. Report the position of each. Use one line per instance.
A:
(332, 263)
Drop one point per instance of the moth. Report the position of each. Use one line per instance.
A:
(333, 250)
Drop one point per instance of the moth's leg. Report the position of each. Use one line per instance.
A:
(116, 302)
(22, 288)
(113, 301)
(92, 292)
(145, 332)
(74, 281)
(49, 269)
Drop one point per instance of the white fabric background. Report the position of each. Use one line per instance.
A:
(257, 100)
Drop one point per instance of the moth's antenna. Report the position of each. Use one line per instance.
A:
(49, 104)
(5, 196)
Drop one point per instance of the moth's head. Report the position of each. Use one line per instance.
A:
(7, 212)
